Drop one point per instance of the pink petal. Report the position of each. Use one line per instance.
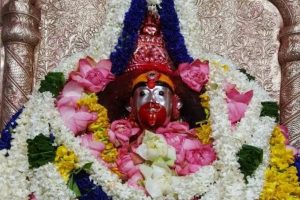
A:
(84, 66)
(95, 147)
(72, 89)
(134, 181)
(76, 120)
(236, 111)
(190, 144)
(183, 67)
(70, 95)
(237, 102)
(104, 64)
(80, 79)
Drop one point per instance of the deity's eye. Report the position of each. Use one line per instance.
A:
(142, 93)
(161, 93)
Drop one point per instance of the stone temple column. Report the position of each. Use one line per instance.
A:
(289, 58)
(20, 35)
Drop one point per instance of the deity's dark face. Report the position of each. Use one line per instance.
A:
(153, 106)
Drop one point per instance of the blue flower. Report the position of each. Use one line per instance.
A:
(171, 32)
(125, 47)
(88, 190)
(6, 137)
(297, 165)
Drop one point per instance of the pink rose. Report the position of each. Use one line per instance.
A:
(190, 153)
(93, 76)
(95, 147)
(76, 120)
(135, 181)
(237, 102)
(195, 75)
(195, 157)
(175, 133)
(70, 95)
(125, 163)
(120, 131)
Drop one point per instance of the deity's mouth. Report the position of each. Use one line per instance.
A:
(152, 115)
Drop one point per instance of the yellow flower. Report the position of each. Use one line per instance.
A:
(90, 101)
(204, 133)
(101, 135)
(65, 161)
(225, 68)
(281, 180)
(204, 100)
(110, 153)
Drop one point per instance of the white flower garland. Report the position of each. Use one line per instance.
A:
(47, 183)
(228, 183)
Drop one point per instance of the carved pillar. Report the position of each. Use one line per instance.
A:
(20, 35)
(289, 58)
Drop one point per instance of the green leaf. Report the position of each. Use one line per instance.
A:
(250, 157)
(270, 109)
(53, 82)
(86, 167)
(250, 78)
(73, 186)
(40, 151)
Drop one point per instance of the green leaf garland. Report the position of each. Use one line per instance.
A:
(250, 157)
(270, 109)
(54, 83)
(40, 151)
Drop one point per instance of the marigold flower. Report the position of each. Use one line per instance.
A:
(65, 161)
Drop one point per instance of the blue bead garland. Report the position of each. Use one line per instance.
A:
(6, 137)
(125, 47)
(170, 28)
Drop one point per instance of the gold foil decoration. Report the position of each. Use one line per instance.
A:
(20, 36)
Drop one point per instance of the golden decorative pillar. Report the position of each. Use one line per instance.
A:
(289, 58)
(20, 35)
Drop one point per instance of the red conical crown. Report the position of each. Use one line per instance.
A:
(150, 53)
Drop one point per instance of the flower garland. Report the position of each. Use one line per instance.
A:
(6, 135)
(218, 181)
(281, 180)
(171, 32)
(127, 40)
(190, 181)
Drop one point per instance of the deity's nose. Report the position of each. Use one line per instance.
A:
(152, 98)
